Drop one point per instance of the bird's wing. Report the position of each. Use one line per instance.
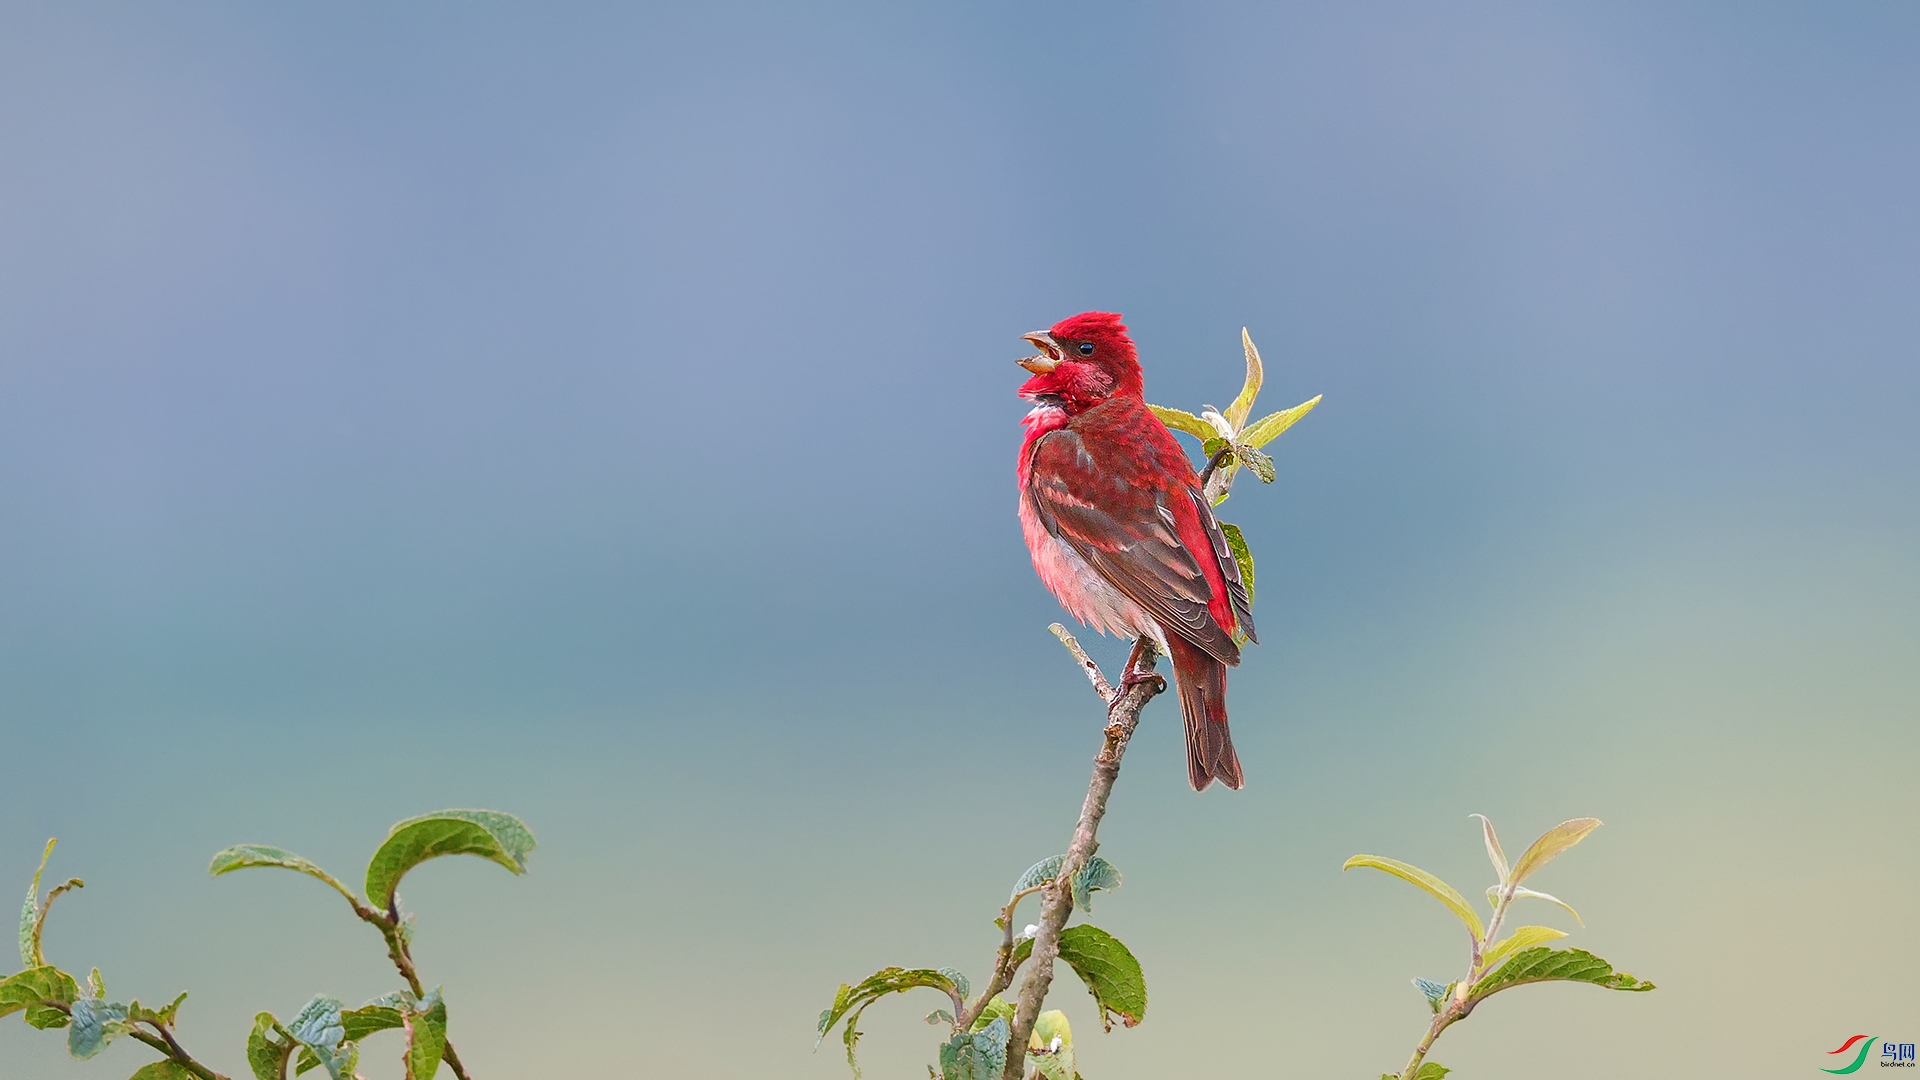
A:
(1229, 567)
(1131, 536)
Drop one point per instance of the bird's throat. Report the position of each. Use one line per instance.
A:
(1044, 417)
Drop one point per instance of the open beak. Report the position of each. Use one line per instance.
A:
(1049, 357)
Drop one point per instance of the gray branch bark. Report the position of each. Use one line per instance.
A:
(1123, 715)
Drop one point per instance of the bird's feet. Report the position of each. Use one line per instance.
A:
(1140, 668)
(1135, 676)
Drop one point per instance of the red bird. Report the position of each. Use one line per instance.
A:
(1119, 530)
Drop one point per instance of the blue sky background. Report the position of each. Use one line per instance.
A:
(606, 414)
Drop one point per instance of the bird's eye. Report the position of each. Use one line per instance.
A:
(1086, 348)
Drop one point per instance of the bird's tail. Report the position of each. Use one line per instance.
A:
(1203, 700)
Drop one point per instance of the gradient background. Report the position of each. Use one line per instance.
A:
(607, 415)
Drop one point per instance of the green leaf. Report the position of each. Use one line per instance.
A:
(367, 1019)
(1097, 876)
(1434, 992)
(959, 981)
(163, 1070)
(1236, 413)
(976, 1055)
(138, 1013)
(268, 1046)
(30, 916)
(1259, 463)
(32, 989)
(852, 1000)
(1213, 446)
(1109, 970)
(1525, 937)
(489, 834)
(318, 1023)
(241, 856)
(998, 1008)
(319, 1029)
(342, 1062)
(1050, 1047)
(1268, 428)
(1555, 965)
(429, 1037)
(1242, 555)
(1552, 843)
(1037, 875)
(1494, 855)
(95, 1023)
(1493, 897)
(1436, 888)
(893, 980)
(1181, 420)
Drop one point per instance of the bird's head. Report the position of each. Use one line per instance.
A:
(1082, 362)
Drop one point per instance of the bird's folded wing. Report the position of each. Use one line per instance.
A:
(1128, 534)
(1229, 568)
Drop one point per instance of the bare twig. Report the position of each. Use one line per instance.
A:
(1004, 963)
(179, 1054)
(166, 1044)
(1094, 675)
(1123, 715)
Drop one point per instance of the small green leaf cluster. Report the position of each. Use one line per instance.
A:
(1228, 437)
(981, 1025)
(1498, 963)
(324, 1034)
(1230, 443)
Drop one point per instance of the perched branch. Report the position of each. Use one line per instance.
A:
(1123, 715)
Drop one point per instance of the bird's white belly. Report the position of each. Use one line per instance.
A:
(1080, 588)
